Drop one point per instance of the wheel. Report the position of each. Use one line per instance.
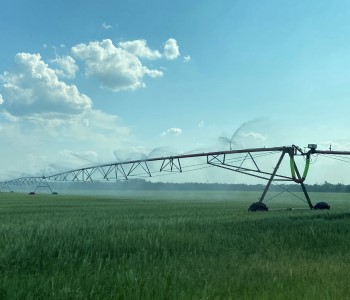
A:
(258, 206)
(322, 205)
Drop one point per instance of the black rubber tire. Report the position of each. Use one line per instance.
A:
(322, 205)
(258, 206)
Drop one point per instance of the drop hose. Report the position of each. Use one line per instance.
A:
(306, 169)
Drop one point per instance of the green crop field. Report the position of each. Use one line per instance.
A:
(176, 245)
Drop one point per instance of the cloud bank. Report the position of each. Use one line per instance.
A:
(34, 88)
(119, 68)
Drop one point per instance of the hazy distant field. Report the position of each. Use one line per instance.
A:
(173, 245)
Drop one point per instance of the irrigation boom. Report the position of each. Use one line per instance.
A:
(223, 159)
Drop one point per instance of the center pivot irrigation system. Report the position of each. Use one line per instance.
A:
(232, 160)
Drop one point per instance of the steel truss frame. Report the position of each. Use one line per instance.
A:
(172, 164)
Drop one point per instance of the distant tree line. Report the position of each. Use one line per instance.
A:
(141, 184)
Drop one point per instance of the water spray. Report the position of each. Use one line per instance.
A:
(232, 160)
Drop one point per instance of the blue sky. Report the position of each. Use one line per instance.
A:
(83, 80)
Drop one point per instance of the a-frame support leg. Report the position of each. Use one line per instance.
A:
(303, 187)
(271, 178)
(5, 185)
(43, 184)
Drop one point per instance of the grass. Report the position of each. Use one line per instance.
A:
(179, 246)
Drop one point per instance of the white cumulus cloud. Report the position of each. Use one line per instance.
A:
(187, 58)
(1, 99)
(114, 67)
(171, 49)
(139, 48)
(172, 131)
(34, 88)
(67, 67)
